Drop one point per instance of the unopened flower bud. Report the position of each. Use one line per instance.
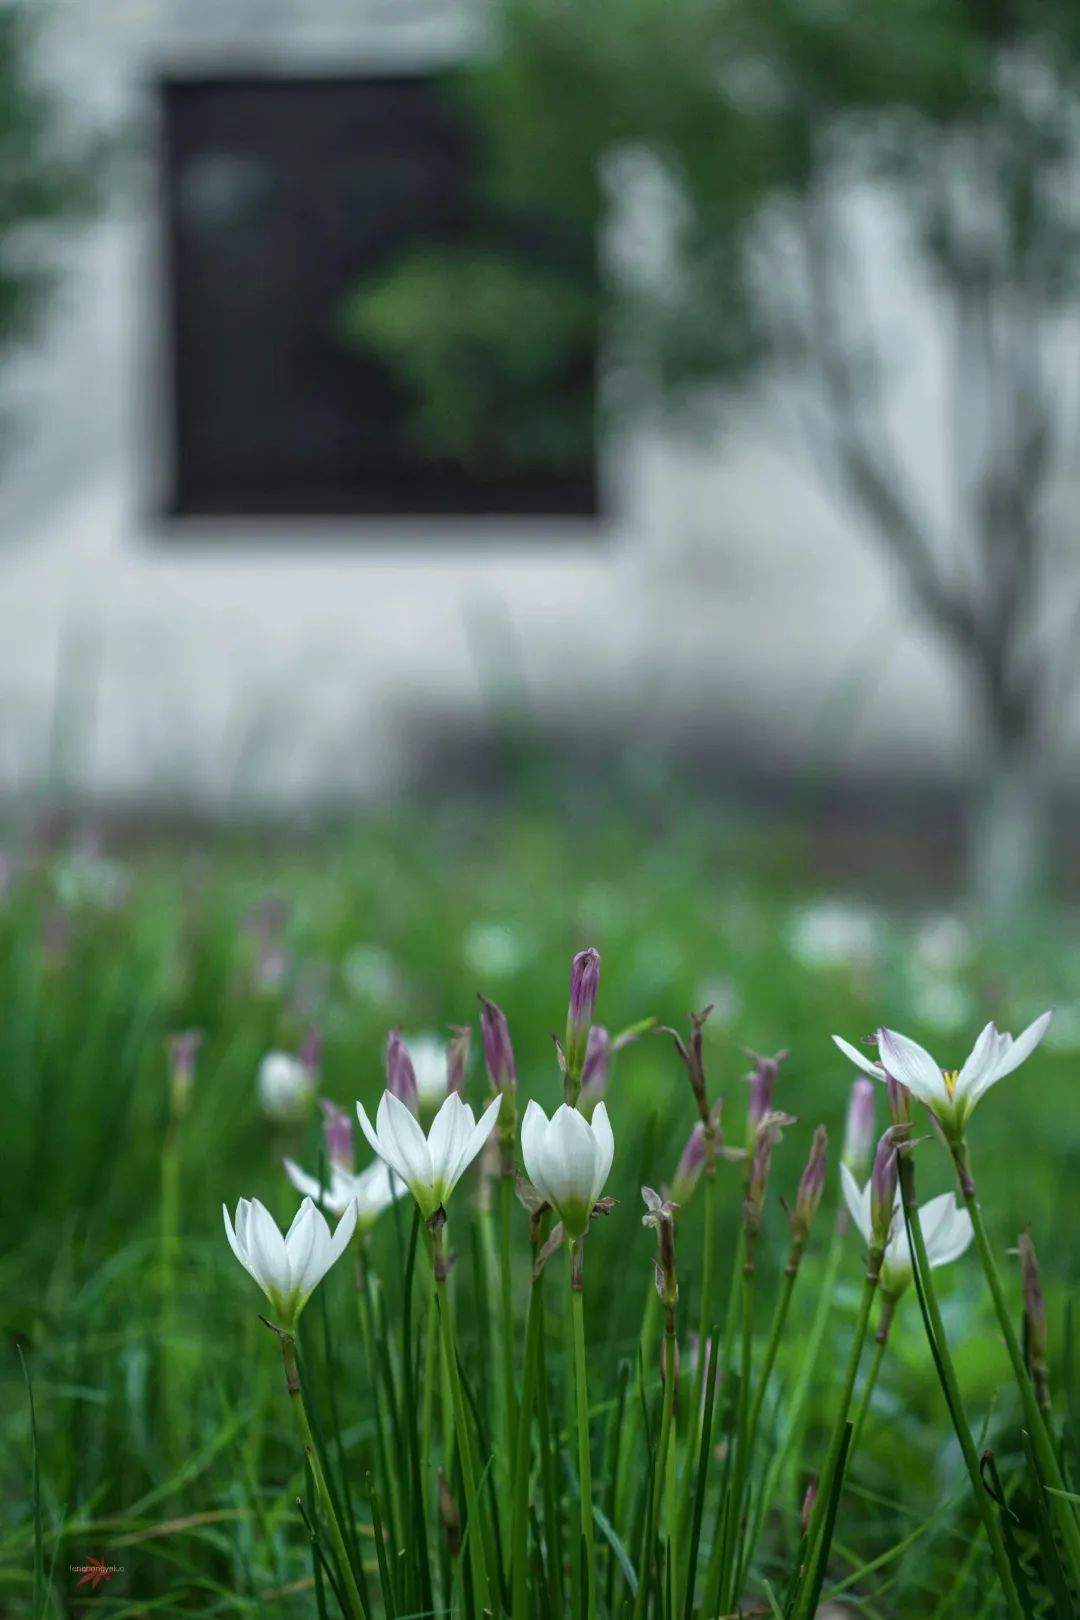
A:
(400, 1074)
(859, 1128)
(450, 1516)
(883, 1180)
(691, 1163)
(811, 1185)
(584, 984)
(457, 1057)
(769, 1131)
(338, 1135)
(1035, 1321)
(899, 1101)
(693, 1057)
(595, 1069)
(183, 1051)
(762, 1086)
(498, 1053)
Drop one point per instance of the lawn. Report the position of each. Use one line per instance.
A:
(164, 1440)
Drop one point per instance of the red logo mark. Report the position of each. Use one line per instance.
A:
(93, 1572)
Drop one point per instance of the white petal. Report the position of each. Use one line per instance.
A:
(858, 1203)
(947, 1229)
(533, 1131)
(266, 1250)
(309, 1268)
(605, 1148)
(450, 1130)
(866, 1064)
(570, 1157)
(374, 1189)
(235, 1245)
(913, 1066)
(1016, 1051)
(340, 1240)
(302, 1241)
(399, 1130)
(385, 1150)
(476, 1138)
(307, 1185)
(981, 1061)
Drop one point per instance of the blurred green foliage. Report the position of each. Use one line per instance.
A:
(401, 924)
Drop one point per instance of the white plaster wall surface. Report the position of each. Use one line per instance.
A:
(224, 663)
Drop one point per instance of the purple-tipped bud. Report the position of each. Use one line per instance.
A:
(859, 1128)
(183, 1051)
(311, 1050)
(400, 1074)
(457, 1058)
(338, 1134)
(584, 983)
(899, 1101)
(691, 1164)
(811, 1185)
(883, 1180)
(498, 1053)
(597, 1066)
(762, 1086)
(769, 1132)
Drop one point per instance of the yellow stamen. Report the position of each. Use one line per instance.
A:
(951, 1077)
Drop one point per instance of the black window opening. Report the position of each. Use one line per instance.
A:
(288, 204)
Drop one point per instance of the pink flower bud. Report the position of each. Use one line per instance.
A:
(762, 1087)
(691, 1164)
(883, 1180)
(400, 1074)
(584, 984)
(859, 1128)
(899, 1101)
(812, 1184)
(338, 1134)
(498, 1052)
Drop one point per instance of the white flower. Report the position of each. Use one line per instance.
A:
(428, 1055)
(372, 1191)
(431, 1166)
(285, 1086)
(288, 1268)
(950, 1094)
(567, 1158)
(946, 1230)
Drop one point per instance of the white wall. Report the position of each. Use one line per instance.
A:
(216, 662)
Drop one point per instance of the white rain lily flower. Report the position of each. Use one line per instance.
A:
(288, 1268)
(950, 1094)
(285, 1086)
(431, 1166)
(568, 1158)
(373, 1190)
(946, 1229)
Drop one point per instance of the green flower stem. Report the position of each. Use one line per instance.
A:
(506, 1302)
(708, 1268)
(170, 1252)
(1041, 1436)
(798, 1405)
(427, 1409)
(659, 1473)
(577, 1301)
(772, 1347)
(519, 1557)
(476, 1528)
(817, 1519)
(740, 1471)
(646, 1346)
(881, 1339)
(392, 1501)
(296, 1394)
(986, 1508)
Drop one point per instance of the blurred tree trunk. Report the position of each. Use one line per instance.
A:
(1008, 829)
